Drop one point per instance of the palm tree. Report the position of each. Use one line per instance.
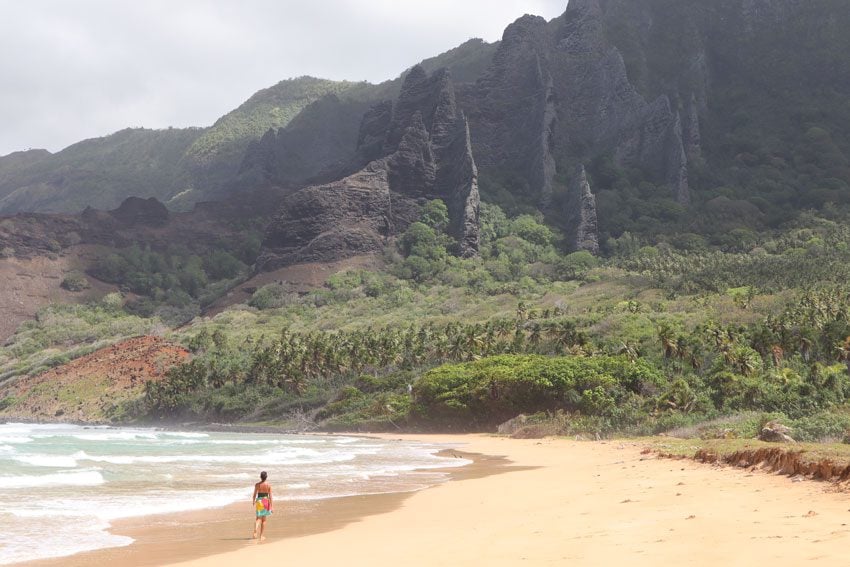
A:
(668, 340)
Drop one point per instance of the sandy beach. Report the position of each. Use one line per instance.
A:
(582, 503)
(529, 502)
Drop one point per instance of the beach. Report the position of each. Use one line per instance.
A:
(524, 502)
(564, 502)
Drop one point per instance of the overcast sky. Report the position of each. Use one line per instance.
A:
(76, 69)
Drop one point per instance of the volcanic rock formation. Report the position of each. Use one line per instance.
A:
(582, 214)
(425, 153)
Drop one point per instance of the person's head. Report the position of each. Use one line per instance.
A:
(264, 475)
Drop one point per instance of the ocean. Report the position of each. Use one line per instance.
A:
(61, 485)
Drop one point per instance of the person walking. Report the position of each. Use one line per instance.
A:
(263, 505)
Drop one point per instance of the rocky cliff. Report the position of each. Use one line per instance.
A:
(558, 93)
(581, 213)
(426, 154)
(675, 103)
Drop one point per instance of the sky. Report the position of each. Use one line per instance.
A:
(77, 69)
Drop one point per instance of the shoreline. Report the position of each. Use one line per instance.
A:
(532, 501)
(161, 539)
(583, 503)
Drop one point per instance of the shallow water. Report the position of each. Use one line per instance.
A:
(61, 485)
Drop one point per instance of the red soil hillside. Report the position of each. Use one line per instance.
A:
(92, 387)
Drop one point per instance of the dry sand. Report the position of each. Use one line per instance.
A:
(549, 502)
(580, 503)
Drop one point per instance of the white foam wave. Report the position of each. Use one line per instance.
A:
(234, 476)
(15, 440)
(61, 461)
(291, 456)
(186, 434)
(76, 478)
(117, 436)
(23, 544)
(297, 486)
(222, 442)
(113, 508)
(7, 449)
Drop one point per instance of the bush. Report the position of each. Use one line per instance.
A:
(271, 296)
(75, 281)
(492, 390)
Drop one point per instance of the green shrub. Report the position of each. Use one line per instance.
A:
(75, 281)
(271, 296)
(494, 389)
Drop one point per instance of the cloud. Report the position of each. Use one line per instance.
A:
(75, 70)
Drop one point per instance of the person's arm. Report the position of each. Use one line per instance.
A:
(254, 497)
(271, 502)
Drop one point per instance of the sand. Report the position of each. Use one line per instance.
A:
(555, 502)
(582, 503)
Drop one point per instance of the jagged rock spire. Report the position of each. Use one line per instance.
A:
(583, 214)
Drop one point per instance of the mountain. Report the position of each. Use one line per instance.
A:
(651, 117)
(666, 180)
(177, 166)
(406, 153)
(183, 166)
(100, 172)
(623, 116)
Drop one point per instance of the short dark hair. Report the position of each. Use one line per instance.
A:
(264, 475)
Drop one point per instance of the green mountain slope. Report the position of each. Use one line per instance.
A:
(100, 172)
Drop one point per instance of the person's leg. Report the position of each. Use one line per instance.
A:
(262, 528)
(256, 527)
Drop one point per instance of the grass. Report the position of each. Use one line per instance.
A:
(810, 453)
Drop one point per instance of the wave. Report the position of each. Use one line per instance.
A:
(294, 456)
(60, 461)
(75, 478)
(22, 543)
(15, 440)
(116, 507)
(240, 442)
(186, 434)
(117, 436)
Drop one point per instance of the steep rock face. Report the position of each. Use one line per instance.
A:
(582, 214)
(373, 131)
(134, 210)
(602, 112)
(457, 185)
(558, 93)
(691, 131)
(512, 108)
(320, 139)
(346, 217)
(427, 155)
(759, 13)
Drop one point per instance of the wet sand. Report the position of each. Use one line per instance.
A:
(168, 538)
(557, 502)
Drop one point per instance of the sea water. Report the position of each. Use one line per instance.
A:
(62, 485)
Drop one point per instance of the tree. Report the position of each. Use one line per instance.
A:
(435, 214)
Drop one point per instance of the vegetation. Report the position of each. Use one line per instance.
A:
(75, 281)
(654, 338)
(60, 333)
(101, 172)
(176, 282)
